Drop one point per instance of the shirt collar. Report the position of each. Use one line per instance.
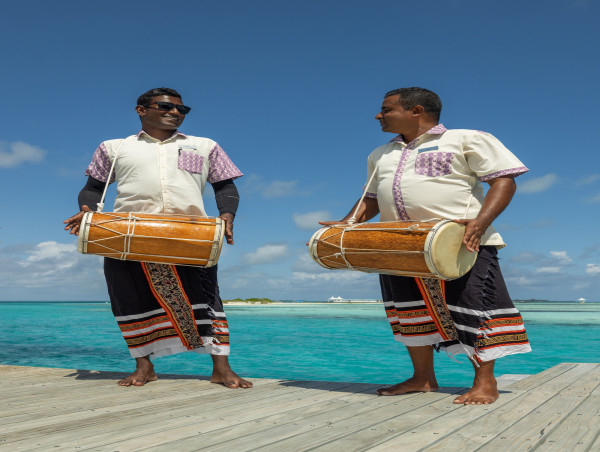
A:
(435, 130)
(176, 133)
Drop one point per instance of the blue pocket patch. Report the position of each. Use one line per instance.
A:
(433, 148)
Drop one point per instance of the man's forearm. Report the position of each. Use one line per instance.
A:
(227, 196)
(498, 197)
(367, 209)
(91, 194)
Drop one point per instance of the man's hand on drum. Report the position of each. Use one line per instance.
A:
(228, 218)
(73, 223)
(473, 232)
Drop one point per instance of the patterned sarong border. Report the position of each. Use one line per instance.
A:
(432, 290)
(169, 293)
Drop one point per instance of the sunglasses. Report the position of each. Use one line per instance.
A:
(168, 106)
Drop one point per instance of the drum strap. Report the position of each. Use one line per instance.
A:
(352, 219)
(100, 205)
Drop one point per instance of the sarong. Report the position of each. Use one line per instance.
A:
(166, 309)
(473, 315)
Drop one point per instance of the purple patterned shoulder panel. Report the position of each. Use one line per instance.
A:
(99, 167)
(507, 172)
(220, 166)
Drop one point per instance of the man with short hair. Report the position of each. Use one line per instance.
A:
(165, 309)
(426, 172)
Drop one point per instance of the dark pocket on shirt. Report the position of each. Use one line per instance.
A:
(190, 162)
(434, 164)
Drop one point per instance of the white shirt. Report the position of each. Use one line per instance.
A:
(156, 176)
(438, 176)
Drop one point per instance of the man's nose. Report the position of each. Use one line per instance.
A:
(378, 116)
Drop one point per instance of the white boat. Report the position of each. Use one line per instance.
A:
(581, 300)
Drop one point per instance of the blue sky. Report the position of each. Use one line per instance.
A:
(289, 90)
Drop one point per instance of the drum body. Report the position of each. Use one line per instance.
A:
(161, 238)
(420, 249)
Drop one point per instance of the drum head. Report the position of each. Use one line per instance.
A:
(445, 253)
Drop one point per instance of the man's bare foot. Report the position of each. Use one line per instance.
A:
(224, 375)
(144, 373)
(230, 379)
(485, 388)
(482, 393)
(411, 385)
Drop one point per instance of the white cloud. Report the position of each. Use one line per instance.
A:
(310, 221)
(17, 152)
(267, 253)
(539, 184)
(50, 271)
(270, 189)
(548, 270)
(592, 269)
(305, 264)
(279, 188)
(561, 257)
(50, 251)
(595, 198)
(338, 276)
(588, 179)
(525, 257)
(520, 281)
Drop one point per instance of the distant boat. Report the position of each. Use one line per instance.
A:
(344, 300)
(336, 300)
(581, 300)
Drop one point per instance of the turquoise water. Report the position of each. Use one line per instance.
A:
(334, 342)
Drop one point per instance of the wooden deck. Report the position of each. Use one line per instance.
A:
(58, 409)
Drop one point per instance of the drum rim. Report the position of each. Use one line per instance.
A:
(84, 232)
(312, 246)
(215, 251)
(429, 252)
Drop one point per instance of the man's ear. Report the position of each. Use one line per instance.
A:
(418, 110)
(140, 110)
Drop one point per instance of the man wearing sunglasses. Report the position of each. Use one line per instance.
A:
(165, 309)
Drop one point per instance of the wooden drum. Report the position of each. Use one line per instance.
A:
(163, 239)
(405, 248)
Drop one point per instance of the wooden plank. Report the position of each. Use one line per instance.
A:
(357, 434)
(478, 425)
(107, 397)
(260, 435)
(197, 427)
(532, 429)
(129, 419)
(578, 431)
(417, 428)
(541, 378)
(509, 379)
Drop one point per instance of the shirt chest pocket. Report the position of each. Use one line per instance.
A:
(189, 161)
(434, 164)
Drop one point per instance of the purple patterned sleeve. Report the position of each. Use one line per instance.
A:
(220, 166)
(99, 168)
(507, 172)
